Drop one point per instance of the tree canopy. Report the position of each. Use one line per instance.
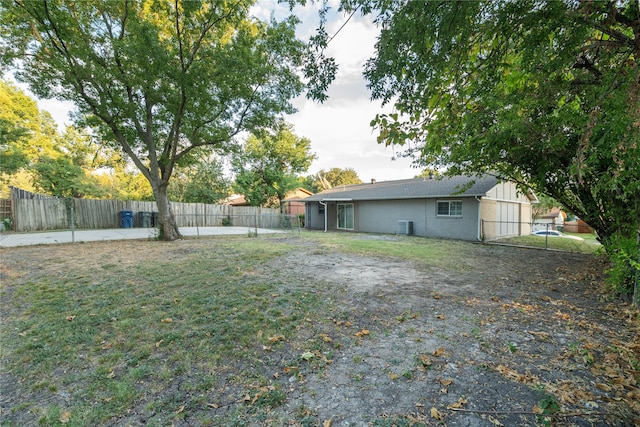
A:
(269, 165)
(542, 92)
(161, 80)
(546, 93)
(327, 179)
(33, 152)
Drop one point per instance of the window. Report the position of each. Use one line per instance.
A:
(450, 208)
(320, 209)
(345, 216)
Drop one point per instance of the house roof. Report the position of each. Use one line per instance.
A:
(555, 213)
(418, 188)
(297, 194)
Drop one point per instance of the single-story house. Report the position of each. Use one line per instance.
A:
(291, 205)
(553, 219)
(456, 207)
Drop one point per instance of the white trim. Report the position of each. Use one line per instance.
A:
(353, 219)
(438, 215)
(508, 200)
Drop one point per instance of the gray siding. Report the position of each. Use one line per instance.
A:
(382, 216)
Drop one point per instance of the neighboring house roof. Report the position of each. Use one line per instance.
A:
(555, 213)
(293, 195)
(418, 188)
(298, 193)
(236, 200)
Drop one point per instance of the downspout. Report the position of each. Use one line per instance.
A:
(325, 214)
(479, 200)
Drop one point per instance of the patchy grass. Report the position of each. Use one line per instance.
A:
(589, 246)
(233, 331)
(436, 252)
(162, 335)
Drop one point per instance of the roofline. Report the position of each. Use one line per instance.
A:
(439, 196)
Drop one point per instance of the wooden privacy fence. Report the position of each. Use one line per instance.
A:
(52, 213)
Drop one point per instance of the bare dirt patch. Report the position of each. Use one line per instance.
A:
(501, 336)
(509, 333)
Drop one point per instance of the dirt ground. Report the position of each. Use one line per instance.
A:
(506, 337)
(509, 333)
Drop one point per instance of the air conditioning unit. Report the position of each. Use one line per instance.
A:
(405, 227)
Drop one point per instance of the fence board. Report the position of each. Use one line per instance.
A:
(32, 213)
(40, 214)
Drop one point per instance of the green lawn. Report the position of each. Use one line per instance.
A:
(590, 245)
(92, 342)
(211, 329)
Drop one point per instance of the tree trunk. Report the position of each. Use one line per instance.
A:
(166, 219)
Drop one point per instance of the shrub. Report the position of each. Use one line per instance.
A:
(624, 253)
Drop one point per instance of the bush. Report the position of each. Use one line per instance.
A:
(624, 253)
(7, 224)
(227, 222)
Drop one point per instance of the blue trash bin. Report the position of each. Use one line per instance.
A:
(126, 219)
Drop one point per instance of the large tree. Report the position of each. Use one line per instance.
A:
(543, 92)
(202, 182)
(26, 132)
(334, 177)
(160, 79)
(267, 168)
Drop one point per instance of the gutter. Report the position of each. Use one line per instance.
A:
(479, 237)
(325, 214)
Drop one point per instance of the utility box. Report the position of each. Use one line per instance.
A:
(405, 227)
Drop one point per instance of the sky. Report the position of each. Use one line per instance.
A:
(339, 128)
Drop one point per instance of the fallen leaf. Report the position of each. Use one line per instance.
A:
(439, 352)
(180, 409)
(441, 316)
(307, 355)
(435, 414)
(362, 333)
(327, 423)
(425, 360)
(70, 318)
(213, 405)
(276, 338)
(266, 348)
(461, 401)
(65, 417)
(167, 320)
(393, 376)
(326, 338)
(446, 382)
(276, 375)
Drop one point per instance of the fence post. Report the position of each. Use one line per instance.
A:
(546, 238)
(636, 288)
(73, 221)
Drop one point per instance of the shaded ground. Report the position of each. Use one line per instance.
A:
(494, 338)
(510, 332)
